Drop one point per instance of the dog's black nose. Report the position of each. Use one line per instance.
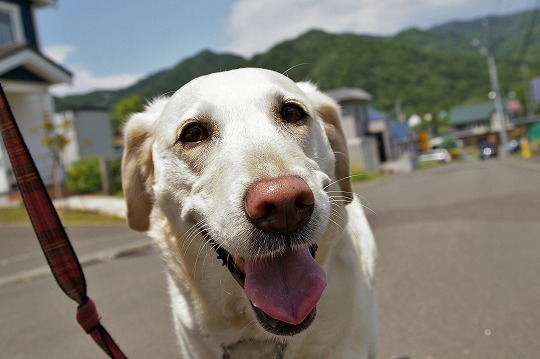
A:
(279, 205)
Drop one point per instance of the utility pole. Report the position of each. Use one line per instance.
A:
(499, 107)
(528, 94)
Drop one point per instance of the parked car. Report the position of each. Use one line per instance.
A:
(514, 146)
(440, 155)
(488, 150)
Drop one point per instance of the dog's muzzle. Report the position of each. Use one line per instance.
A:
(267, 320)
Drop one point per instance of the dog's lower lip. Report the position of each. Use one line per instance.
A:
(278, 327)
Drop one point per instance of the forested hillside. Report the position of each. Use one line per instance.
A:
(427, 71)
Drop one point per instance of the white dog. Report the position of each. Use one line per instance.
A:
(242, 180)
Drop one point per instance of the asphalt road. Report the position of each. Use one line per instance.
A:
(458, 273)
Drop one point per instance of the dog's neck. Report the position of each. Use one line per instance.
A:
(254, 348)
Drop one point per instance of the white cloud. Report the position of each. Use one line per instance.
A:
(254, 26)
(85, 81)
(59, 53)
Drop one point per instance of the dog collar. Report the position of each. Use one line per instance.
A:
(227, 261)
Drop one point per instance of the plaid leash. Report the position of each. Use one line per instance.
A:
(50, 232)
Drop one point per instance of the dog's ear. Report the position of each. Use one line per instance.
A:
(137, 167)
(330, 113)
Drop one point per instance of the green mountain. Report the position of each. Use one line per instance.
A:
(159, 83)
(427, 71)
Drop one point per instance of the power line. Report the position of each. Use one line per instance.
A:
(522, 54)
(528, 33)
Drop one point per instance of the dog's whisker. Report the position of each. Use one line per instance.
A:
(192, 234)
(204, 262)
(186, 243)
(336, 224)
(229, 293)
(166, 94)
(338, 198)
(193, 229)
(346, 178)
(352, 194)
(286, 72)
(199, 252)
(253, 321)
(345, 199)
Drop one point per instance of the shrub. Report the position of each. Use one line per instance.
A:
(116, 175)
(84, 176)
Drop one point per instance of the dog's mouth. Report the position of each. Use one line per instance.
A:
(283, 289)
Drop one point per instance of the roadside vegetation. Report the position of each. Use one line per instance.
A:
(18, 215)
(364, 176)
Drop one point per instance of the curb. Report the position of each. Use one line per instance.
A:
(106, 255)
(107, 205)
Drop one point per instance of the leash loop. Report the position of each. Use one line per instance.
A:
(87, 316)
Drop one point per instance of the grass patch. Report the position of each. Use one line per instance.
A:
(364, 176)
(429, 164)
(19, 215)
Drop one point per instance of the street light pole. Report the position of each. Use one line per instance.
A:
(499, 107)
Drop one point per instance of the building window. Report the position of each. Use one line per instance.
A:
(10, 24)
(6, 30)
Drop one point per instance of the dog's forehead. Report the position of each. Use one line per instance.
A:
(238, 86)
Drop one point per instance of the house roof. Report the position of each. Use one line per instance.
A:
(349, 93)
(376, 115)
(40, 3)
(462, 115)
(469, 114)
(23, 55)
(400, 130)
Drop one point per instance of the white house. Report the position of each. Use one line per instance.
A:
(26, 74)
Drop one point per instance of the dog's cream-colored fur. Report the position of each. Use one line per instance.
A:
(174, 189)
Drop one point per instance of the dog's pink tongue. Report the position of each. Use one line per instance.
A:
(287, 286)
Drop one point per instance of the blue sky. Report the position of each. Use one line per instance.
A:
(111, 44)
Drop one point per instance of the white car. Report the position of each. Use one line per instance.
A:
(439, 155)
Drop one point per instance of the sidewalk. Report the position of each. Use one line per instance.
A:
(21, 258)
(110, 205)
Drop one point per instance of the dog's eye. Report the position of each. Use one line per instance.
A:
(194, 132)
(292, 114)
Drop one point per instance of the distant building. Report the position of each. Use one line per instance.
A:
(372, 136)
(394, 138)
(89, 135)
(474, 123)
(26, 74)
(354, 114)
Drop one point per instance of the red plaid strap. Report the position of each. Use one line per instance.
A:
(50, 232)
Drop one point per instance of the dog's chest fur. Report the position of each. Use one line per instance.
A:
(253, 348)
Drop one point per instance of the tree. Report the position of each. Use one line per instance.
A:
(56, 138)
(122, 109)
